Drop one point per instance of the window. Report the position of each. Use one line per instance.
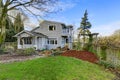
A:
(52, 41)
(27, 40)
(51, 27)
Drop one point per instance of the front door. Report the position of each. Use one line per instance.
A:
(39, 43)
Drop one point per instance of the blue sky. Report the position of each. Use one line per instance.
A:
(104, 15)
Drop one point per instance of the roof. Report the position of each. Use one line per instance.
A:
(31, 33)
(68, 26)
(51, 21)
(90, 34)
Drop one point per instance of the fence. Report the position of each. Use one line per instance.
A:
(112, 55)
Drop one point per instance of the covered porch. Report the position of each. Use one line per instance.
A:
(27, 39)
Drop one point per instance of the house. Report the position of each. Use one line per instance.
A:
(48, 35)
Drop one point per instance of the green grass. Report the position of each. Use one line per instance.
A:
(53, 68)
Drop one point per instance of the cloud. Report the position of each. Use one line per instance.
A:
(103, 30)
(107, 29)
(59, 6)
(30, 24)
(65, 5)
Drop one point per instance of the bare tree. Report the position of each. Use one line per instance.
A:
(25, 6)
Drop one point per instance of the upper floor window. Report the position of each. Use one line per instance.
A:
(52, 27)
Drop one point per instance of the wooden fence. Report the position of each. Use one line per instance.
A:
(112, 55)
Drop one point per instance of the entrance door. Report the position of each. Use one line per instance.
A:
(39, 43)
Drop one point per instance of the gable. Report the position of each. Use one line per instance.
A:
(24, 34)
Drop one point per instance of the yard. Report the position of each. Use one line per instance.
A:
(53, 68)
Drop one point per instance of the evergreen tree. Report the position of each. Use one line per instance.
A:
(18, 23)
(10, 32)
(85, 25)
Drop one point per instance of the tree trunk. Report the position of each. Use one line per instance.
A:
(3, 25)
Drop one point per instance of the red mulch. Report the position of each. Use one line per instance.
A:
(84, 55)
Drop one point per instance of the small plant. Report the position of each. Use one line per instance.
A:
(27, 51)
(65, 48)
(20, 51)
(56, 53)
(103, 53)
(48, 52)
(106, 64)
(1, 51)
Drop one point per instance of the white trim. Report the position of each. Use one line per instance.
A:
(52, 25)
(22, 32)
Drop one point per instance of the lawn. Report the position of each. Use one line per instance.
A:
(53, 68)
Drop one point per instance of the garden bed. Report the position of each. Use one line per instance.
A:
(84, 55)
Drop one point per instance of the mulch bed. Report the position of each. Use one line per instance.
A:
(83, 55)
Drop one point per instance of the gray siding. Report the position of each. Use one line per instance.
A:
(44, 29)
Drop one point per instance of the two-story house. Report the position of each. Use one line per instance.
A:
(48, 35)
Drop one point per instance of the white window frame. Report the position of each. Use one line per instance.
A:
(27, 40)
(55, 41)
(54, 27)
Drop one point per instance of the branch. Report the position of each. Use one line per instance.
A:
(11, 2)
(32, 13)
(20, 4)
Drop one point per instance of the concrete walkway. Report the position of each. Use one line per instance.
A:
(20, 58)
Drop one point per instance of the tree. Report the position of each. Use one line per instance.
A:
(25, 6)
(85, 25)
(10, 32)
(18, 23)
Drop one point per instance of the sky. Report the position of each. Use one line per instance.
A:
(104, 15)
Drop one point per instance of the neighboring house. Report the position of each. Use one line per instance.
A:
(49, 35)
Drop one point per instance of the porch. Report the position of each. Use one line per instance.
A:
(27, 39)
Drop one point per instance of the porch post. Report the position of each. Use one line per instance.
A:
(36, 43)
(70, 42)
(18, 41)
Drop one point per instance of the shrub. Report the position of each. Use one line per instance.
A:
(47, 52)
(103, 53)
(27, 51)
(65, 48)
(20, 51)
(56, 53)
(1, 51)
(106, 64)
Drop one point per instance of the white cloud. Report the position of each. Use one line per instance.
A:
(29, 24)
(106, 29)
(65, 5)
(59, 6)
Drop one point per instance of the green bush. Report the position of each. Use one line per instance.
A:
(106, 64)
(27, 51)
(1, 51)
(86, 47)
(103, 54)
(20, 52)
(56, 53)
